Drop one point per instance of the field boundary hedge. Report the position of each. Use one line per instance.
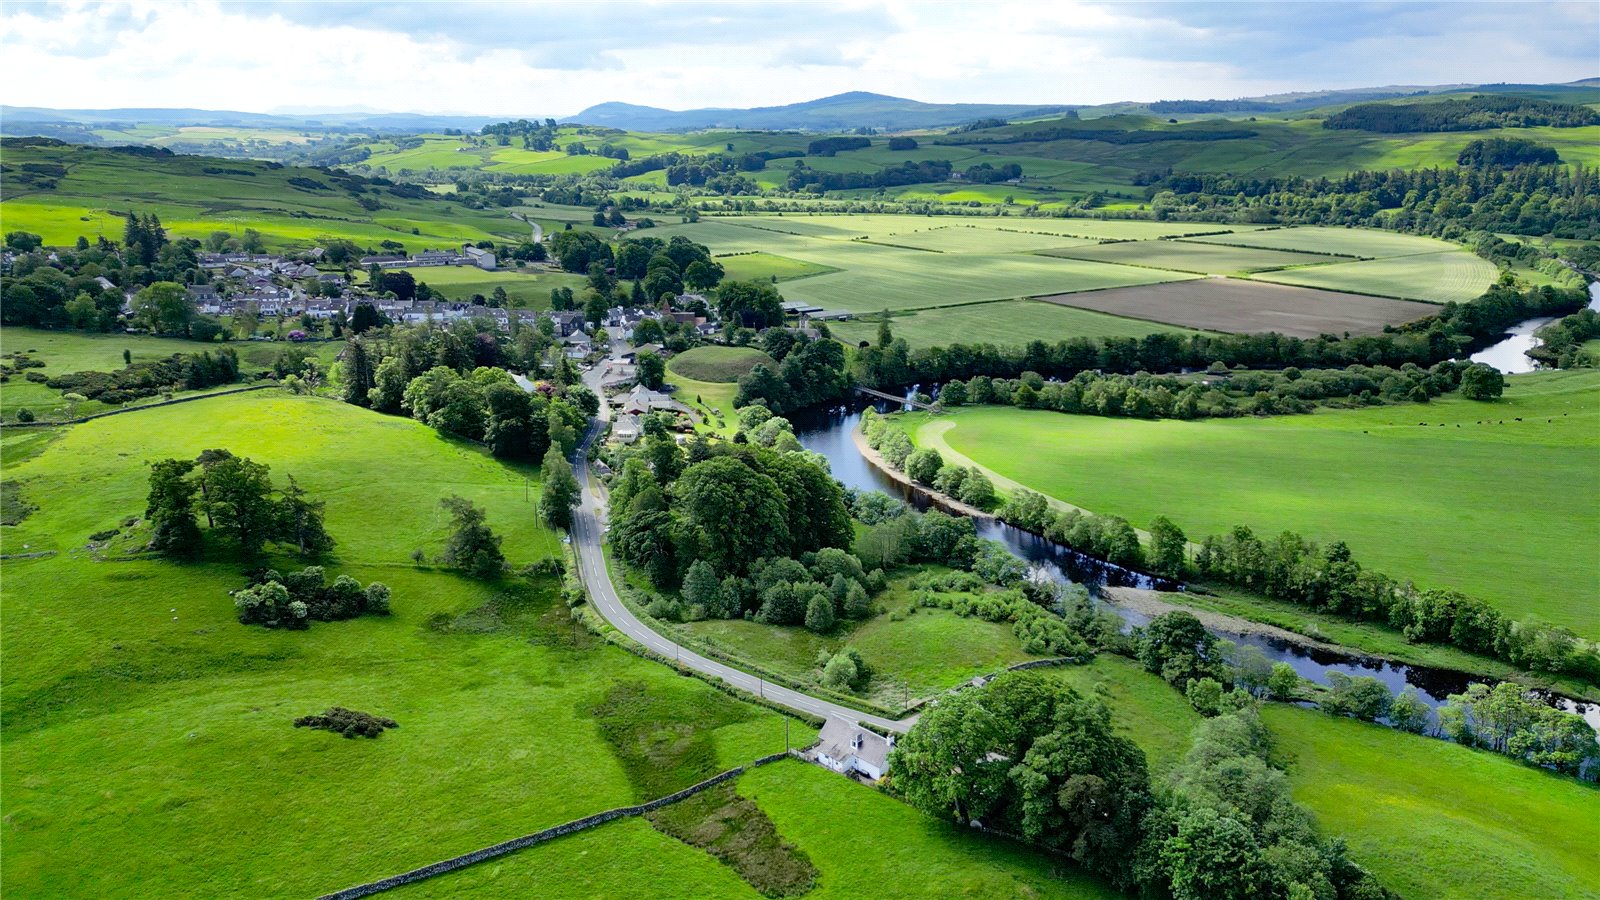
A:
(548, 834)
(143, 406)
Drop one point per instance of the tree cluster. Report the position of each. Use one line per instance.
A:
(237, 498)
(924, 171)
(812, 372)
(1470, 114)
(180, 371)
(1505, 153)
(296, 599)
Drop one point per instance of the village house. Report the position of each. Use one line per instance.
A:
(847, 748)
(578, 345)
(626, 429)
(643, 400)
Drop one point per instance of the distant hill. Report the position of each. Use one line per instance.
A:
(841, 112)
(18, 119)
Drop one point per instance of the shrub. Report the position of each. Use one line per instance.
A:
(349, 722)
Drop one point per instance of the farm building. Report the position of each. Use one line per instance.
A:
(847, 748)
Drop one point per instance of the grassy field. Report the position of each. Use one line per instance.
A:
(1450, 276)
(863, 843)
(1001, 323)
(1248, 307)
(926, 651)
(1429, 818)
(718, 365)
(97, 186)
(1201, 259)
(1366, 477)
(82, 351)
(148, 733)
(525, 290)
(760, 266)
(1364, 243)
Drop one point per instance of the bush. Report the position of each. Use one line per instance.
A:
(25, 414)
(819, 614)
(349, 722)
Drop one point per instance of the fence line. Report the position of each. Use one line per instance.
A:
(548, 834)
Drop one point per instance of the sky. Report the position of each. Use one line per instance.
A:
(556, 58)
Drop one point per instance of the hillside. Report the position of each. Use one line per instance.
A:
(841, 112)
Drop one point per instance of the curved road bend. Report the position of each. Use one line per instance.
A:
(588, 522)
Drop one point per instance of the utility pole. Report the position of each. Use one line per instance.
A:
(786, 734)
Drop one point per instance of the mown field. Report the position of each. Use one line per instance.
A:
(92, 188)
(81, 351)
(1468, 480)
(1453, 276)
(147, 744)
(1007, 322)
(527, 290)
(718, 365)
(761, 266)
(862, 842)
(1429, 818)
(1201, 259)
(1360, 243)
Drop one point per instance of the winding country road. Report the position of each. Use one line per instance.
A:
(588, 533)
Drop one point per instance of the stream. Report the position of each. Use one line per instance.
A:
(828, 432)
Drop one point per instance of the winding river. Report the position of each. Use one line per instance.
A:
(1511, 354)
(829, 433)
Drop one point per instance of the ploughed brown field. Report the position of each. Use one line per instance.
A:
(1247, 307)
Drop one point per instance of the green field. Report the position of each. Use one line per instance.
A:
(1202, 259)
(140, 719)
(760, 266)
(81, 351)
(1428, 817)
(927, 651)
(1367, 477)
(1008, 322)
(100, 185)
(525, 290)
(718, 365)
(1365, 243)
(862, 842)
(1451, 276)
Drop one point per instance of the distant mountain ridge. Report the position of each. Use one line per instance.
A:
(840, 112)
(13, 116)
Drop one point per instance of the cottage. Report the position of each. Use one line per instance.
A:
(626, 429)
(642, 400)
(847, 748)
(578, 345)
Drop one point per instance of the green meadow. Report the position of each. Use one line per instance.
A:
(718, 365)
(1201, 259)
(760, 266)
(1428, 817)
(1364, 243)
(1012, 322)
(528, 290)
(1453, 276)
(98, 186)
(1466, 484)
(142, 721)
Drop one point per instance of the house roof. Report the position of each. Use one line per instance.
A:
(839, 740)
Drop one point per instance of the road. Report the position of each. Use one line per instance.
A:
(588, 533)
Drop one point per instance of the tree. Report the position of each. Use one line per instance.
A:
(740, 513)
(358, 372)
(1168, 547)
(752, 304)
(1284, 682)
(652, 369)
(701, 586)
(238, 492)
(977, 490)
(472, 545)
(819, 614)
(1408, 712)
(170, 508)
(164, 307)
(839, 673)
(1363, 697)
(924, 465)
(558, 490)
(1482, 382)
(1178, 648)
(299, 521)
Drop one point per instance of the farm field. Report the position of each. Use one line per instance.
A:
(824, 816)
(1201, 259)
(1363, 243)
(1451, 276)
(1428, 817)
(82, 351)
(761, 266)
(1005, 322)
(530, 290)
(718, 365)
(145, 722)
(1361, 476)
(926, 651)
(89, 183)
(1247, 307)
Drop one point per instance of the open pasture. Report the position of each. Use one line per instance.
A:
(1444, 277)
(1007, 322)
(1366, 477)
(761, 266)
(529, 290)
(147, 735)
(1246, 307)
(718, 365)
(1363, 243)
(1183, 256)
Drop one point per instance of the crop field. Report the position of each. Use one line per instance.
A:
(1364, 243)
(1438, 474)
(1202, 259)
(1245, 307)
(1451, 276)
(1429, 818)
(81, 351)
(926, 651)
(761, 266)
(146, 723)
(862, 842)
(718, 365)
(973, 239)
(97, 185)
(530, 290)
(1008, 322)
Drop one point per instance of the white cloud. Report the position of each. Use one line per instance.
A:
(554, 58)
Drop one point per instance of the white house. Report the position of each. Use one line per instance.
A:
(846, 748)
(626, 429)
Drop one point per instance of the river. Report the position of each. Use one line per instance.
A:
(829, 433)
(1511, 354)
